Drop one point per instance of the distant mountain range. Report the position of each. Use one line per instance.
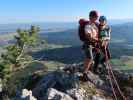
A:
(5, 28)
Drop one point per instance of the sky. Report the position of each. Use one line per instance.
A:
(14, 11)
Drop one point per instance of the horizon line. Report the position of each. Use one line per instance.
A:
(32, 22)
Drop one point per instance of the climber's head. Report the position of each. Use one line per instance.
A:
(93, 15)
(102, 20)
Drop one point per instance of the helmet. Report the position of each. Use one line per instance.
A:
(93, 13)
(102, 18)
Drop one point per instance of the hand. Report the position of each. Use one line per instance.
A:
(104, 43)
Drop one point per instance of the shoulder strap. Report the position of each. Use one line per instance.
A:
(107, 28)
(97, 24)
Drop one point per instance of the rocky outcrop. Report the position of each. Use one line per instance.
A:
(65, 84)
(58, 80)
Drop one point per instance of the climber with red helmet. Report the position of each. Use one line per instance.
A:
(88, 33)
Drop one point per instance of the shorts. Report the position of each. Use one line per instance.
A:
(89, 52)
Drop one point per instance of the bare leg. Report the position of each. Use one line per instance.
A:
(87, 64)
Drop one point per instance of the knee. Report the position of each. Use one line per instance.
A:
(88, 60)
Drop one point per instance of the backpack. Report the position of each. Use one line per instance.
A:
(81, 31)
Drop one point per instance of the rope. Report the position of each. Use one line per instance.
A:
(110, 79)
(121, 93)
(110, 72)
(111, 83)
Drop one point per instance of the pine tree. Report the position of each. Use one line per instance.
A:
(16, 55)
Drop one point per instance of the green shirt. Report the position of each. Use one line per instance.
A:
(104, 33)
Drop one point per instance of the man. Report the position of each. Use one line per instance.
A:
(91, 32)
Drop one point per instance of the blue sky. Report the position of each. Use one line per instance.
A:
(12, 11)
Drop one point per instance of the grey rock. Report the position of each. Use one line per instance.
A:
(73, 68)
(46, 82)
(97, 98)
(95, 79)
(54, 94)
(59, 80)
(78, 94)
(27, 95)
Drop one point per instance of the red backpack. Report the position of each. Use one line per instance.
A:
(81, 31)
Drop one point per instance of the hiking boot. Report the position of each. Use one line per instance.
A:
(95, 72)
(84, 77)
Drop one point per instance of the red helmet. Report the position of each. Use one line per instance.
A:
(93, 13)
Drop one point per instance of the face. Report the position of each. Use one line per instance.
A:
(93, 19)
(102, 23)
